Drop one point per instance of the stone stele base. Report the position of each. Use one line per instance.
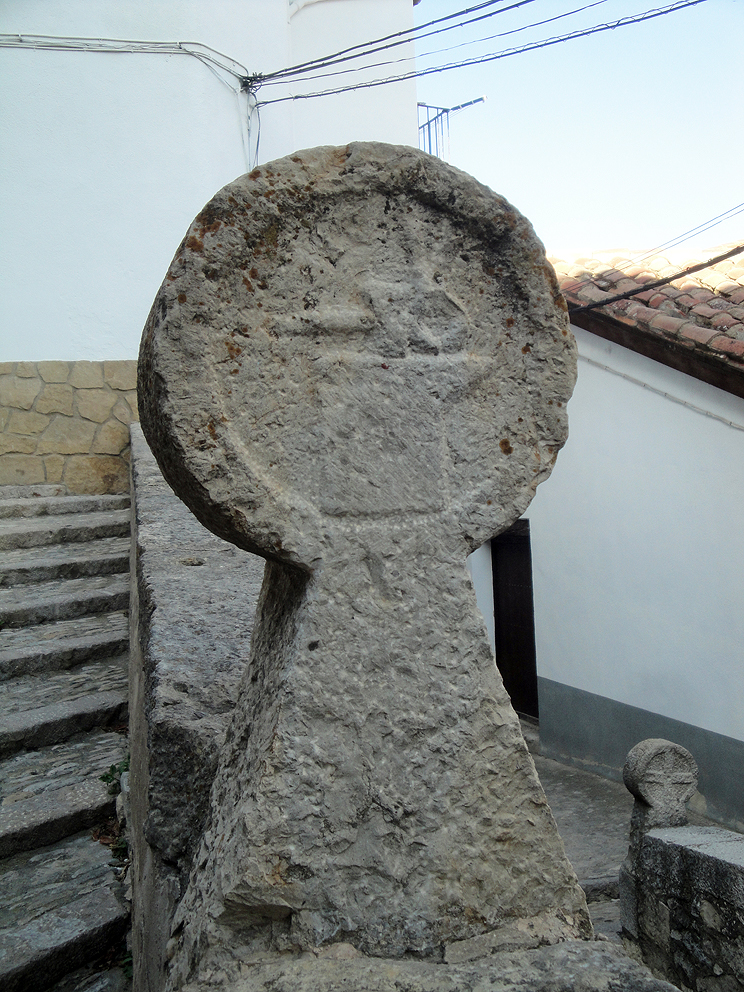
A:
(573, 966)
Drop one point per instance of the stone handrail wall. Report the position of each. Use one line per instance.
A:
(67, 423)
(681, 886)
(192, 607)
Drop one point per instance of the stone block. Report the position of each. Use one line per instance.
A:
(4, 417)
(66, 436)
(96, 475)
(120, 375)
(112, 438)
(27, 422)
(21, 470)
(53, 371)
(95, 404)
(54, 467)
(7, 368)
(56, 398)
(26, 370)
(86, 375)
(20, 443)
(18, 392)
(131, 398)
(123, 412)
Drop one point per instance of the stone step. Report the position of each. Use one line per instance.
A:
(63, 599)
(39, 710)
(64, 561)
(60, 907)
(34, 532)
(26, 492)
(48, 794)
(62, 645)
(53, 506)
(92, 979)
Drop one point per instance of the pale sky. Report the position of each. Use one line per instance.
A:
(624, 139)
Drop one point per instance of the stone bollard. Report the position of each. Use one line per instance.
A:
(662, 777)
(358, 367)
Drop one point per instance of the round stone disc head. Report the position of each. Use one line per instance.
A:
(351, 338)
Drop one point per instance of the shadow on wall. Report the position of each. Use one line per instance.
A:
(67, 423)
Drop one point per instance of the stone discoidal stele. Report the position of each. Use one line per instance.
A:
(358, 367)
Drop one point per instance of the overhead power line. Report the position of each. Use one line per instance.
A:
(271, 81)
(659, 282)
(693, 232)
(406, 36)
(481, 60)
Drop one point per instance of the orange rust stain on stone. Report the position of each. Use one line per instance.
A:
(526, 349)
(505, 446)
(248, 285)
(510, 322)
(181, 297)
(195, 244)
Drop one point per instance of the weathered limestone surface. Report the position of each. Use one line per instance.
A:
(67, 422)
(572, 966)
(358, 366)
(193, 603)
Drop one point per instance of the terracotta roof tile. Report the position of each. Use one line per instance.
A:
(702, 311)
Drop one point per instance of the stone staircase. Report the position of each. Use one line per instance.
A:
(64, 597)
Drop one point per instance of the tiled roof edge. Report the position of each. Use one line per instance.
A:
(704, 365)
(694, 324)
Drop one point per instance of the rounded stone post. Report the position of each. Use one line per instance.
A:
(662, 777)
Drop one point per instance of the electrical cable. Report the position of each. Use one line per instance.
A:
(195, 49)
(282, 74)
(687, 235)
(660, 392)
(575, 308)
(533, 46)
(270, 81)
(320, 62)
(706, 225)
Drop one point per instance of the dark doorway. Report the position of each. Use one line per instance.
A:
(514, 616)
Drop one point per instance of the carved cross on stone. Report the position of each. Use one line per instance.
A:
(358, 367)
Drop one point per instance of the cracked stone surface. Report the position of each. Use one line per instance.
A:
(358, 367)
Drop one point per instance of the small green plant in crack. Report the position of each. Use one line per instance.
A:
(127, 966)
(112, 777)
(120, 848)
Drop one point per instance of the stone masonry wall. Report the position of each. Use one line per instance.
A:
(68, 423)
(687, 901)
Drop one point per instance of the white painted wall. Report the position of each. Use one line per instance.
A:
(481, 572)
(638, 545)
(106, 158)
